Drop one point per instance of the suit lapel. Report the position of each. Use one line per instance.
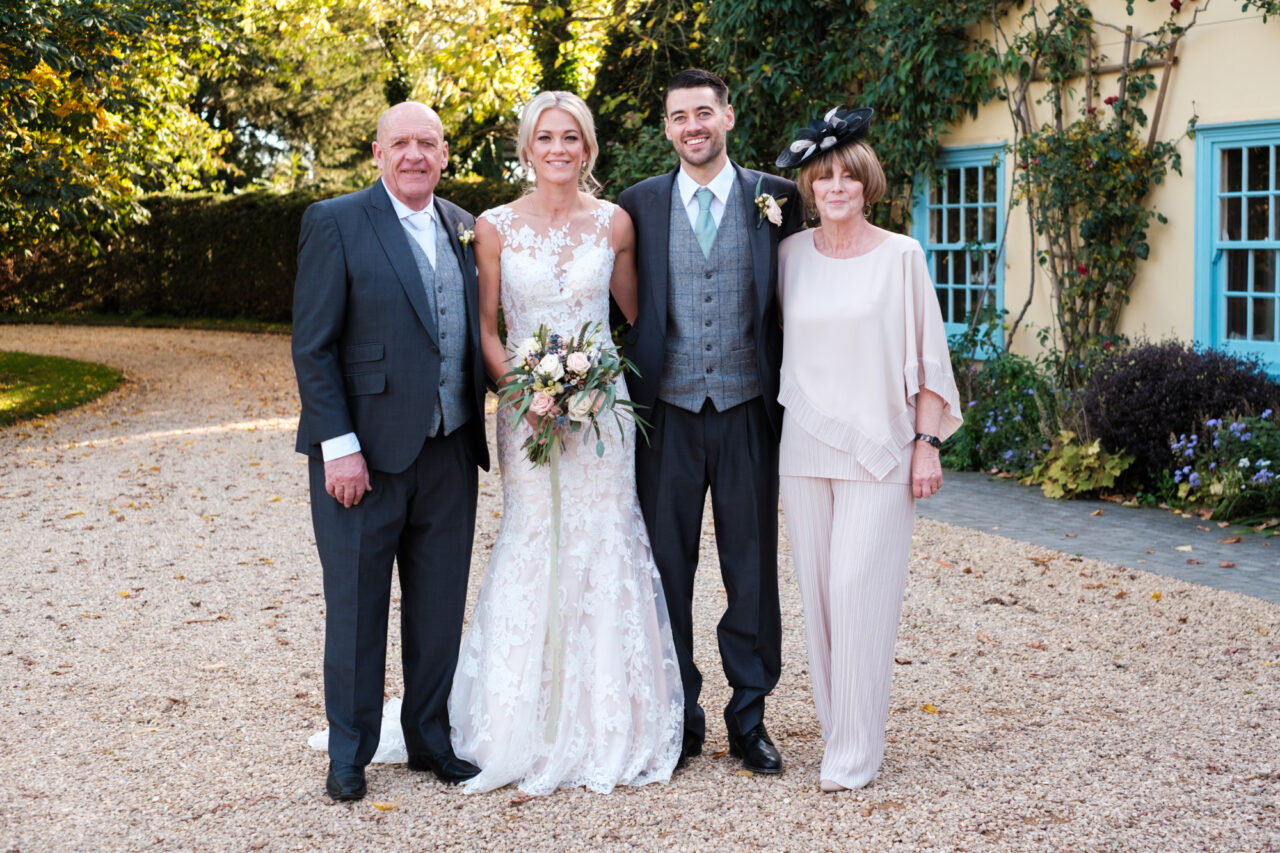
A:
(759, 238)
(395, 243)
(658, 236)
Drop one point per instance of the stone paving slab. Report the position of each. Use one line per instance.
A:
(1146, 538)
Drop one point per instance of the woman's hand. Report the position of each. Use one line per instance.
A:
(926, 470)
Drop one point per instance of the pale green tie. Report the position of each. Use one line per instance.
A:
(705, 228)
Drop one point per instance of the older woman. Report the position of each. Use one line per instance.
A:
(868, 391)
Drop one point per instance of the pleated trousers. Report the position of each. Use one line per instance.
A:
(850, 541)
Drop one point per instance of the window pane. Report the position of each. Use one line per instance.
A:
(989, 185)
(1237, 270)
(1259, 167)
(1259, 217)
(935, 193)
(942, 303)
(935, 225)
(1231, 170)
(1264, 319)
(988, 225)
(953, 225)
(953, 186)
(957, 305)
(1237, 318)
(971, 185)
(959, 266)
(1264, 271)
(991, 268)
(1231, 218)
(970, 225)
(943, 274)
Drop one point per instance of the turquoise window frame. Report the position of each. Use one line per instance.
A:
(933, 221)
(1214, 296)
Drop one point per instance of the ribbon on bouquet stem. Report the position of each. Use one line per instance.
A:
(553, 604)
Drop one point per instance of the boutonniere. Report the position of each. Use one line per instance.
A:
(465, 236)
(769, 208)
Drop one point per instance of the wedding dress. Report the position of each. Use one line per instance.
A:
(588, 693)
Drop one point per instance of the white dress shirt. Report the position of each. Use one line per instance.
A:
(719, 186)
(420, 226)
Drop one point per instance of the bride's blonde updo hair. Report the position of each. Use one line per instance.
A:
(575, 107)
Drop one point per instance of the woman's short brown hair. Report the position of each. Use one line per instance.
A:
(858, 159)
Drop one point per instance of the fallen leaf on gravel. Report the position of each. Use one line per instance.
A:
(275, 500)
(1201, 527)
(1226, 564)
(520, 799)
(995, 599)
(984, 637)
(1224, 524)
(866, 812)
(966, 570)
(1230, 540)
(1191, 562)
(744, 772)
(74, 514)
(1037, 645)
(1069, 535)
(1155, 596)
(943, 563)
(1093, 586)
(1150, 551)
(902, 661)
(1121, 594)
(1266, 524)
(1096, 512)
(385, 807)
(211, 667)
(124, 593)
(91, 615)
(720, 753)
(928, 708)
(1182, 548)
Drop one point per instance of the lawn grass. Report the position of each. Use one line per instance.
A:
(33, 385)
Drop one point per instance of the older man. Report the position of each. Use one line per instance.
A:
(386, 346)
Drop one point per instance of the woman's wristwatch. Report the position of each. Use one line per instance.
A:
(929, 439)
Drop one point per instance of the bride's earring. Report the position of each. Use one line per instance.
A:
(866, 211)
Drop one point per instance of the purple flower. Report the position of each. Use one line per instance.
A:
(1194, 479)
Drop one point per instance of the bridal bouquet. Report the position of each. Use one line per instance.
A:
(568, 384)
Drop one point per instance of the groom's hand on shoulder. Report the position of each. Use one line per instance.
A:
(346, 479)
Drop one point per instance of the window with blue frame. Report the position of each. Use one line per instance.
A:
(1238, 238)
(1237, 269)
(959, 220)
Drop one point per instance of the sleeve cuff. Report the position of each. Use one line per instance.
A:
(343, 445)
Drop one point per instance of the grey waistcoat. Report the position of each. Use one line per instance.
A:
(711, 342)
(445, 299)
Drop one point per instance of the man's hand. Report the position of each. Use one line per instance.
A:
(346, 479)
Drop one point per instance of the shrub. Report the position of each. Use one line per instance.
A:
(1007, 419)
(1230, 466)
(198, 256)
(1072, 468)
(1138, 397)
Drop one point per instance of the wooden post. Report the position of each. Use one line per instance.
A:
(1169, 59)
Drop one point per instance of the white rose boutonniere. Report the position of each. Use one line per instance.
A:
(465, 236)
(769, 208)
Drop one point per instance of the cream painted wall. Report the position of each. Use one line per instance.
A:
(1227, 71)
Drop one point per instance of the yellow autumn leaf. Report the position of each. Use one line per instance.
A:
(1155, 596)
(74, 514)
(124, 593)
(745, 772)
(928, 708)
(1182, 548)
(276, 499)
(385, 807)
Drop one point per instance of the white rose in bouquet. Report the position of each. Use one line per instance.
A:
(581, 406)
(550, 368)
(578, 362)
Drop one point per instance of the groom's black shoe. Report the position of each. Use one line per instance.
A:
(345, 781)
(756, 750)
(448, 767)
(691, 748)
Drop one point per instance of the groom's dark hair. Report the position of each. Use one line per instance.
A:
(696, 78)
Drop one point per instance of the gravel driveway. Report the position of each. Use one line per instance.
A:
(160, 651)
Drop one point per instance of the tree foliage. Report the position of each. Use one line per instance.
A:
(90, 111)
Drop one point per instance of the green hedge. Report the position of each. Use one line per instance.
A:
(198, 256)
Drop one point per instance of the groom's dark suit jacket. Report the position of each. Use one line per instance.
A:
(649, 205)
(365, 345)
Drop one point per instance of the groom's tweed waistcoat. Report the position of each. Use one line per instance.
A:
(445, 298)
(711, 344)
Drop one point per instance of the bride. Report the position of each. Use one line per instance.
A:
(589, 694)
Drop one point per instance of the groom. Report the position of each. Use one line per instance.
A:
(707, 344)
(386, 345)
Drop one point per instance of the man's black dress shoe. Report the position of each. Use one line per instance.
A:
(448, 767)
(345, 781)
(756, 750)
(691, 748)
